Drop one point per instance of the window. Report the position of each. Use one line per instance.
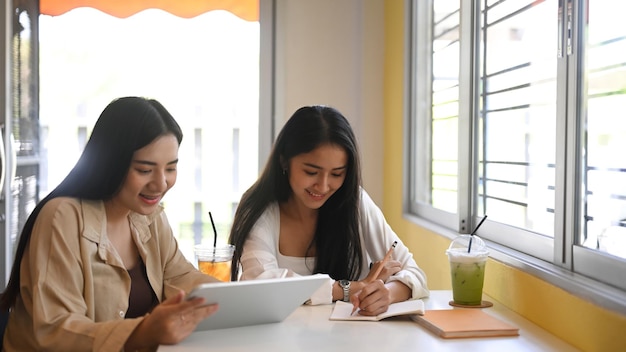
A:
(517, 113)
(79, 76)
(205, 71)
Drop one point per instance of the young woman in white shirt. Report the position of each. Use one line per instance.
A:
(308, 213)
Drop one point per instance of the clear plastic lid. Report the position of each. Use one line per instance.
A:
(458, 250)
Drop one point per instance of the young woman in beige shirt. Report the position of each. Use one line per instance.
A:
(97, 267)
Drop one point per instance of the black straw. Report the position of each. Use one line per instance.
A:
(214, 232)
(469, 247)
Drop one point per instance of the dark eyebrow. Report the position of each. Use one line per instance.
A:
(317, 167)
(152, 163)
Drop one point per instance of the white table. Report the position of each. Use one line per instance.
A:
(308, 329)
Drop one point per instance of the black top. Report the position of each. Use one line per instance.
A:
(142, 297)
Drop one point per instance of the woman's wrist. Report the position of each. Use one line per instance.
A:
(399, 292)
(356, 287)
(337, 291)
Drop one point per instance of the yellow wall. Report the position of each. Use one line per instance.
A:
(582, 324)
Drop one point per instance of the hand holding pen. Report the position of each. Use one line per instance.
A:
(383, 262)
(379, 269)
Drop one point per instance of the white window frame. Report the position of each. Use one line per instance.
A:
(589, 274)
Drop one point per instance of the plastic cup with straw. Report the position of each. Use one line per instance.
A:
(468, 256)
(215, 261)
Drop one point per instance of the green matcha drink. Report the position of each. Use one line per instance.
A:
(467, 282)
(467, 270)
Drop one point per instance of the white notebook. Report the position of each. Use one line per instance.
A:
(343, 311)
(252, 302)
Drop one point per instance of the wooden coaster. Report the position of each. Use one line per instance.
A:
(483, 304)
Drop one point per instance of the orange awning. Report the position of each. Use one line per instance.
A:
(244, 9)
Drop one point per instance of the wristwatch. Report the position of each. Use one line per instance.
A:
(345, 284)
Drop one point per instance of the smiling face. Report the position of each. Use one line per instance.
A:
(151, 174)
(317, 175)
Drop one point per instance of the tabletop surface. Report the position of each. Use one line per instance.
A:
(309, 329)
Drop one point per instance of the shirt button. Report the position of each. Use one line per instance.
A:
(121, 313)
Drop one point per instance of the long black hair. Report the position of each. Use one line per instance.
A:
(127, 124)
(336, 240)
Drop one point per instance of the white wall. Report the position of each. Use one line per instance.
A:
(330, 52)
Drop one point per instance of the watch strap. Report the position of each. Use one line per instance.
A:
(345, 285)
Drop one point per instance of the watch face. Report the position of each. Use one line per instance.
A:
(344, 283)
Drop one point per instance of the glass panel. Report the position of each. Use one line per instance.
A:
(21, 132)
(518, 113)
(24, 198)
(604, 103)
(445, 105)
(205, 72)
(25, 66)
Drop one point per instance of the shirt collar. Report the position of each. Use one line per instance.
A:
(94, 215)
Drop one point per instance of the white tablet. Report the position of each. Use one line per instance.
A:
(253, 302)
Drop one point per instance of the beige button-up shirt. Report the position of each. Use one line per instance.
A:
(74, 287)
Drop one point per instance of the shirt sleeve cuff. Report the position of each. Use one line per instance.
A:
(417, 289)
(323, 295)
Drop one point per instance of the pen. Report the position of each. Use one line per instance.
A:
(385, 260)
(380, 267)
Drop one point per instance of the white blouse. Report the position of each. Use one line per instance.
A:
(261, 258)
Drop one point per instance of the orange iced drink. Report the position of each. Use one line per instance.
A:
(215, 261)
(219, 270)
